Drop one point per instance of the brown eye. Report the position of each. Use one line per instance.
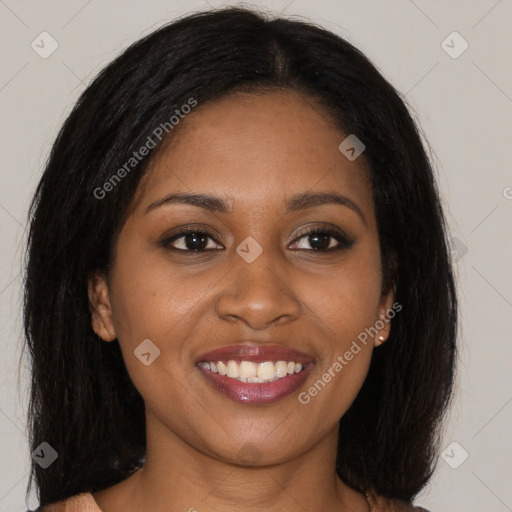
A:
(325, 240)
(194, 240)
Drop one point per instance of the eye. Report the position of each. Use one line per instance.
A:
(194, 241)
(325, 240)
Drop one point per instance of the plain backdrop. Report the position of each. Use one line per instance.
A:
(463, 102)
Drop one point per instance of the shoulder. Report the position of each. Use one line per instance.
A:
(380, 503)
(83, 502)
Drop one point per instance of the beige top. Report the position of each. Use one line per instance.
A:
(85, 502)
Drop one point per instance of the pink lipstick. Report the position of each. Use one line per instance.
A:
(255, 374)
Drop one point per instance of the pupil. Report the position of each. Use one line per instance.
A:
(198, 241)
(324, 241)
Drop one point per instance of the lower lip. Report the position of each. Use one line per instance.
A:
(256, 393)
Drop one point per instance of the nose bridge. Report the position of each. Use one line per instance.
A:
(255, 268)
(257, 292)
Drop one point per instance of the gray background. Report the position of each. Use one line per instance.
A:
(464, 105)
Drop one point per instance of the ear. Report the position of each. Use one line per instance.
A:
(386, 311)
(100, 307)
(383, 323)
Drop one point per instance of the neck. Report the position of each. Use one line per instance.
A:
(176, 476)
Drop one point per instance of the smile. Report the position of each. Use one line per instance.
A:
(248, 371)
(255, 374)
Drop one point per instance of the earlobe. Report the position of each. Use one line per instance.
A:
(383, 324)
(100, 307)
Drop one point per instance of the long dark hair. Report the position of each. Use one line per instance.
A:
(83, 402)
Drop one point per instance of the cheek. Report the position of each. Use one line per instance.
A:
(346, 303)
(149, 296)
(154, 300)
(347, 299)
(347, 351)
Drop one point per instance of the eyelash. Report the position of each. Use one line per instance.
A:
(343, 241)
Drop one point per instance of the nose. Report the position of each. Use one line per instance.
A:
(259, 294)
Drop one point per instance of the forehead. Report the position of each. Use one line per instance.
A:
(259, 148)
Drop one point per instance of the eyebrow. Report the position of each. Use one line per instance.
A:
(295, 203)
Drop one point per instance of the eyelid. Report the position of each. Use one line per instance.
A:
(187, 228)
(319, 226)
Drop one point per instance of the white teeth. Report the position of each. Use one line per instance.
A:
(247, 371)
(266, 371)
(233, 369)
(255, 379)
(221, 368)
(281, 369)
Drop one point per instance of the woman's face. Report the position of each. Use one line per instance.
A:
(255, 283)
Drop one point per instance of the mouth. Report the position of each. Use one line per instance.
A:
(255, 374)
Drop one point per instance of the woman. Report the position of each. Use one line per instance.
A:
(238, 289)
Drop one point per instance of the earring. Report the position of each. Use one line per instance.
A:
(381, 338)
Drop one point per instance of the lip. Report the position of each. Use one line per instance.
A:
(256, 393)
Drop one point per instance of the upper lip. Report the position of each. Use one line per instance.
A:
(256, 353)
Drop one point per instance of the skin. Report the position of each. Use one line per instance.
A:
(258, 150)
